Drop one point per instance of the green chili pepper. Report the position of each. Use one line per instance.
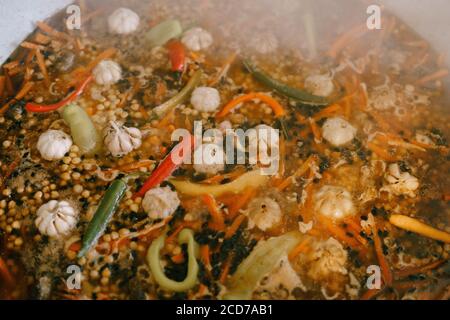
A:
(294, 93)
(82, 129)
(180, 97)
(163, 32)
(108, 205)
(153, 260)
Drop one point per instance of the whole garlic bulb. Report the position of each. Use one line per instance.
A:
(338, 131)
(56, 218)
(320, 85)
(54, 144)
(264, 213)
(205, 99)
(107, 72)
(123, 21)
(159, 203)
(400, 183)
(197, 39)
(121, 140)
(334, 202)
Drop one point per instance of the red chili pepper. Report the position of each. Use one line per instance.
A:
(33, 107)
(177, 55)
(167, 166)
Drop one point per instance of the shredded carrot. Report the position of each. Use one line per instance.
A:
(274, 104)
(340, 233)
(161, 90)
(346, 38)
(315, 130)
(225, 271)
(185, 224)
(234, 226)
(41, 38)
(11, 65)
(130, 167)
(178, 258)
(205, 256)
(4, 272)
(224, 69)
(53, 32)
(442, 73)
(417, 270)
(370, 294)
(384, 265)
(328, 112)
(300, 248)
(108, 53)
(306, 165)
(446, 197)
(42, 66)
(218, 222)
(31, 46)
(2, 86)
(76, 246)
(381, 152)
(20, 95)
(240, 202)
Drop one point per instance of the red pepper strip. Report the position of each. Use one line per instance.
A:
(166, 167)
(32, 107)
(177, 55)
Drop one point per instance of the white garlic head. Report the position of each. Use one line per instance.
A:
(320, 85)
(197, 39)
(334, 202)
(107, 72)
(56, 219)
(121, 140)
(400, 183)
(264, 213)
(338, 131)
(327, 257)
(123, 21)
(159, 203)
(205, 99)
(54, 144)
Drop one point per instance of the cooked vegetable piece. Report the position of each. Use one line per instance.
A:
(177, 55)
(179, 98)
(107, 207)
(414, 225)
(167, 166)
(294, 93)
(252, 179)
(186, 236)
(82, 129)
(33, 107)
(259, 263)
(277, 108)
(163, 32)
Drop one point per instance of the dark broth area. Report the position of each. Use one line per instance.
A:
(380, 86)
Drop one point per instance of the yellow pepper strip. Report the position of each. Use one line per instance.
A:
(414, 225)
(185, 236)
(250, 179)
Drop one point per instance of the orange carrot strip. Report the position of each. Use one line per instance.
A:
(300, 248)
(31, 46)
(43, 67)
(53, 32)
(384, 265)
(274, 104)
(179, 258)
(369, 294)
(108, 53)
(205, 255)
(315, 130)
(328, 112)
(2, 86)
(234, 226)
(381, 152)
(446, 197)
(240, 202)
(340, 234)
(225, 271)
(346, 38)
(218, 221)
(442, 73)
(130, 167)
(41, 38)
(22, 93)
(4, 272)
